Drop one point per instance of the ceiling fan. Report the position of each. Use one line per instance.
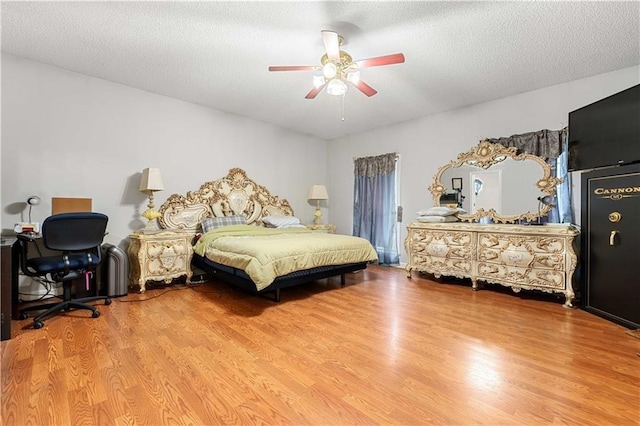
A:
(338, 68)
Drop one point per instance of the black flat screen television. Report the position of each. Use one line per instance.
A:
(607, 132)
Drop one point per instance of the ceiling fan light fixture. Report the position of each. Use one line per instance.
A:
(336, 87)
(353, 77)
(329, 70)
(338, 68)
(318, 81)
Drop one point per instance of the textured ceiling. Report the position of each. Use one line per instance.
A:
(217, 53)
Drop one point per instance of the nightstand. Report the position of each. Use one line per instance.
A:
(159, 256)
(329, 228)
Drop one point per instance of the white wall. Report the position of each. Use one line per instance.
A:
(427, 143)
(66, 134)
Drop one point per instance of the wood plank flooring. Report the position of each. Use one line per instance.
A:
(382, 350)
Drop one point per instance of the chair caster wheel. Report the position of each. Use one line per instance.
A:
(95, 314)
(38, 324)
(107, 301)
(24, 315)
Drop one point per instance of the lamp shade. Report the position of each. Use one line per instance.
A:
(34, 200)
(336, 87)
(151, 180)
(547, 200)
(318, 192)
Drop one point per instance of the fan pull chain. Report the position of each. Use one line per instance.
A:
(343, 96)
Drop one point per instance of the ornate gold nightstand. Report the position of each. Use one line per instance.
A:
(159, 256)
(329, 228)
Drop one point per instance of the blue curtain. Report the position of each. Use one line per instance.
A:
(553, 216)
(374, 205)
(563, 191)
(562, 212)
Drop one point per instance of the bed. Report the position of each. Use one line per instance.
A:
(250, 238)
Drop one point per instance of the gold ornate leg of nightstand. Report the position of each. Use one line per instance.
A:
(189, 273)
(142, 285)
(188, 261)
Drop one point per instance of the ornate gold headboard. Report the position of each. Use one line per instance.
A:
(231, 195)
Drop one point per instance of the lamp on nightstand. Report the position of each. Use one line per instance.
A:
(318, 192)
(151, 182)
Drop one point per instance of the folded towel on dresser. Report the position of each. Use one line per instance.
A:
(451, 218)
(441, 211)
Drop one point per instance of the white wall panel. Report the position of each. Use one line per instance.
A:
(66, 134)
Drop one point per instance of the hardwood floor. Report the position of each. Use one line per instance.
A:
(382, 350)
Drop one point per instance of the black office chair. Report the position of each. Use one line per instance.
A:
(78, 236)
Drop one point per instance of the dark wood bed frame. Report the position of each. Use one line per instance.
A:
(237, 194)
(240, 279)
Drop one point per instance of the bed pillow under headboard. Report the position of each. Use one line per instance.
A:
(218, 222)
(280, 221)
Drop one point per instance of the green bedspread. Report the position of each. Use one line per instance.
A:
(267, 253)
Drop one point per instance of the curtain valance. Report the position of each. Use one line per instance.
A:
(543, 143)
(378, 165)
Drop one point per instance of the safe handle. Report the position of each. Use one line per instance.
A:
(612, 238)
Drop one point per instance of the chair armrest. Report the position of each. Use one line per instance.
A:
(22, 243)
(29, 237)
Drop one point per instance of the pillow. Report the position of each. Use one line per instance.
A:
(216, 222)
(441, 211)
(449, 218)
(280, 221)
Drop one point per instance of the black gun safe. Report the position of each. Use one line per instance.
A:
(611, 244)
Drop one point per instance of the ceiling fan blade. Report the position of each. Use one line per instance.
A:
(294, 68)
(331, 44)
(314, 92)
(365, 88)
(396, 58)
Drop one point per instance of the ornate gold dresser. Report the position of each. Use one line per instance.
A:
(517, 256)
(159, 256)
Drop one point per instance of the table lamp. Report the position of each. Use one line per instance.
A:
(318, 192)
(151, 182)
(34, 200)
(547, 200)
(31, 226)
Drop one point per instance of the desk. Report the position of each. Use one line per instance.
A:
(8, 287)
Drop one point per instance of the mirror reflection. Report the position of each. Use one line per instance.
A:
(494, 181)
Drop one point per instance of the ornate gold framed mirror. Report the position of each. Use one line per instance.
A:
(493, 181)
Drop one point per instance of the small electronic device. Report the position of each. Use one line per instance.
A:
(25, 227)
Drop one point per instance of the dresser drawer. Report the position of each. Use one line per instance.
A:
(166, 265)
(521, 277)
(168, 248)
(442, 266)
(522, 251)
(441, 244)
(441, 250)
